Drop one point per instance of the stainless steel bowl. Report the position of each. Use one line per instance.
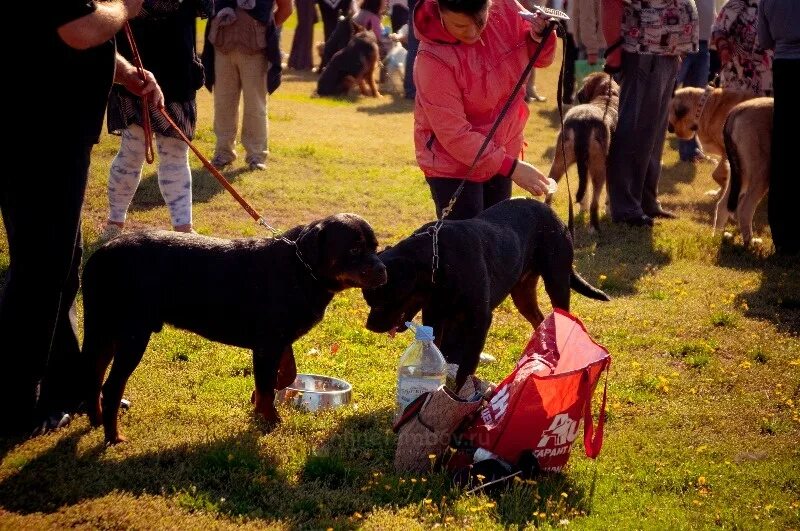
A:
(314, 392)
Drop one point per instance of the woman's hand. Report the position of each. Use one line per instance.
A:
(538, 24)
(529, 178)
(128, 76)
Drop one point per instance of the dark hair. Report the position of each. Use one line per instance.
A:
(373, 6)
(467, 7)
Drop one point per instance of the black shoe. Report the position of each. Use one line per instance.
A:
(638, 221)
(661, 213)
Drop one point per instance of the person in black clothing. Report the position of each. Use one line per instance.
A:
(40, 365)
(330, 9)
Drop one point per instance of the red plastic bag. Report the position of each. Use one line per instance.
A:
(539, 406)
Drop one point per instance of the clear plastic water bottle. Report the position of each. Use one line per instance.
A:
(422, 368)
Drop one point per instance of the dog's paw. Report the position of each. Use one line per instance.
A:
(755, 242)
(116, 439)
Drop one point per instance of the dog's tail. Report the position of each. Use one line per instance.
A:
(582, 133)
(733, 159)
(580, 285)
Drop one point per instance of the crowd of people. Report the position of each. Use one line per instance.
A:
(453, 45)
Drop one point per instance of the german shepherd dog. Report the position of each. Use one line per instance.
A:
(352, 65)
(586, 138)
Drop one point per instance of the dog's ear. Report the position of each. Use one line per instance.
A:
(310, 242)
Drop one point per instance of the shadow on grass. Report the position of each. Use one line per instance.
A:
(350, 471)
(777, 297)
(393, 104)
(618, 255)
(204, 188)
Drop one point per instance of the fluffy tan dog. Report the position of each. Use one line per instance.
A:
(748, 138)
(586, 138)
(703, 112)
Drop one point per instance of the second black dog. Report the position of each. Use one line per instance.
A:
(502, 251)
(253, 293)
(352, 65)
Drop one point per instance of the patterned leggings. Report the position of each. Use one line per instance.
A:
(174, 175)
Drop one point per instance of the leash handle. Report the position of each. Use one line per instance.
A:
(149, 153)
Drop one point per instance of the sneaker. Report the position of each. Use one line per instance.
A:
(257, 166)
(220, 162)
(700, 158)
(110, 231)
(485, 358)
(54, 422)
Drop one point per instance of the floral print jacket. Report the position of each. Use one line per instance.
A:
(735, 30)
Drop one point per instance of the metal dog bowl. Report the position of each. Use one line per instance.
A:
(314, 392)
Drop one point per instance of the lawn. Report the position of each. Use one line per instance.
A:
(703, 428)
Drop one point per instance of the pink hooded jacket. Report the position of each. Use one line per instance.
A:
(462, 87)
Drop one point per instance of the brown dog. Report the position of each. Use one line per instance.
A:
(258, 293)
(748, 139)
(353, 65)
(586, 138)
(702, 112)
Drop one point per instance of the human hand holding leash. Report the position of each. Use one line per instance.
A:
(527, 176)
(128, 76)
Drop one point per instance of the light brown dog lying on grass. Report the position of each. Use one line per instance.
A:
(586, 138)
(748, 139)
(703, 112)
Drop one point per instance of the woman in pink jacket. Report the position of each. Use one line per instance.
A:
(471, 55)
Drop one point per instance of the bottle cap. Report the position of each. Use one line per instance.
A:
(421, 332)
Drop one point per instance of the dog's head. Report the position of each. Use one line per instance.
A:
(400, 299)
(341, 251)
(598, 86)
(681, 119)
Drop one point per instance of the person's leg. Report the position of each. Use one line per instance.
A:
(125, 174)
(629, 156)
(469, 203)
(175, 180)
(329, 18)
(42, 225)
(300, 54)
(662, 82)
(784, 186)
(412, 45)
(496, 189)
(227, 90)
(255, 127)
(693, 73)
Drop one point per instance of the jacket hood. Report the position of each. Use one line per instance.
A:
(428, 24)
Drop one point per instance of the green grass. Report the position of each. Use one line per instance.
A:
(703, 430)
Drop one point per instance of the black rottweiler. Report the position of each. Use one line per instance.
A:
(482, 260)
(253, 293)
(352, 65)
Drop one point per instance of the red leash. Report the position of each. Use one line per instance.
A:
(149, 154)
(148, 135)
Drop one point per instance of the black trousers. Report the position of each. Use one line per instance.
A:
(571, 53)
(474, 199)
(784, 186)
(39, 352)
(330, 15)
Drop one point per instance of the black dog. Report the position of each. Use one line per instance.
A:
(481, 261)
(352, 65)
(345, 28)
(253, 293)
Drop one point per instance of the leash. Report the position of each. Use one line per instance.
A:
(704, 99)
(434, 230)
(149, 153)
(276, 234)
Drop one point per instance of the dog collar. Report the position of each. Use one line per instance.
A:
(701, 107)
